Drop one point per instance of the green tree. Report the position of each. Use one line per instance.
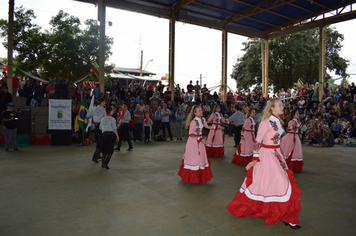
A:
(291, 58)
(65, 50)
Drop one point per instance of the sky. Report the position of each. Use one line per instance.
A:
(198, 49)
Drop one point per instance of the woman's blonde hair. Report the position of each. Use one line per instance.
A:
(267, 112)
(191, 116)
(248, 113)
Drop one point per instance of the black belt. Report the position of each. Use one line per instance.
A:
(97, 123)
(108, 132)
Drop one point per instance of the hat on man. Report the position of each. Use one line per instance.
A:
(10, 104)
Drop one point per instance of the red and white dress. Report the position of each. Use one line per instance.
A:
(269, 189)
(244, 152)
(195, 165)
(215, 139)
(292, 147)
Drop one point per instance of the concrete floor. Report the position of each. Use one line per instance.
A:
(51, 190)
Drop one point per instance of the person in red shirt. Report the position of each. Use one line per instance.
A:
(15, 84)
(304, 91)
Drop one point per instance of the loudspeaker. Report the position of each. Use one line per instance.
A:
(61, 137)
(24, 126)
(24, 113)
(61, 91)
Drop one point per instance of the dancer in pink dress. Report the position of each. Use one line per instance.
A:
(244, 152)
(269, 189)
(291, 146)
(195, 165)
(215, 139)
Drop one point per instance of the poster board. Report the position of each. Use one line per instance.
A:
(60, 114)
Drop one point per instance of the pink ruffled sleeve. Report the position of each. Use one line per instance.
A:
(206, 124)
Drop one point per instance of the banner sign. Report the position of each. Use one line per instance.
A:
(60, 114)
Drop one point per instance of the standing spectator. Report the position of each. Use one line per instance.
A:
(21, 84)
(50, 89)
(10, 118)
(179, 121)
(113, 101)
(157, 122)
(73, 91)
(27, 92)
(15, 84)
(108, 85)
(138, 119)
(190, 87)
(5, 98)
(38, 89)
(167, 95)
(197, 87)
(165, 114)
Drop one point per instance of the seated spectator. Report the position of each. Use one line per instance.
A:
(108, 85)
(336, 127)
(38, 89)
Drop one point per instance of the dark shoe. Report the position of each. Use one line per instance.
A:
(130, 148)
(172, 139)
(6, 149)
(16, 149)
(95, 156)
(235, 146)
(103, 160)
(107, 160)
(295, 227)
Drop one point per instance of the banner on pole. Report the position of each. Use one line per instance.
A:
(60, 114)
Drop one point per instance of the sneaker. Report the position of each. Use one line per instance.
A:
(16, 149)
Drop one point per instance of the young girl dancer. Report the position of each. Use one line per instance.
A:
(244, 152)
(269, 189)
(291, 146)
(215, 140)
(195, 165)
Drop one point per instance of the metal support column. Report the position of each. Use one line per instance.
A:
(321, 62)
(172, 32)
(224, 64)
(10, 45)
(102, 17)
(265, 69)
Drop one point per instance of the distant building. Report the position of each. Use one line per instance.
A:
(133, 72)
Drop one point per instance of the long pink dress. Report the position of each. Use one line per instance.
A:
(215, 139)
(269, 189)
(244, 152)
(195, 165)
(292, 147)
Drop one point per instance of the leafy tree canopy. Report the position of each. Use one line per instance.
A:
(291, 57)
(65, 50)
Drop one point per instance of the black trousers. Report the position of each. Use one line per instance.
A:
(168, 125)
(138, 131)
(107, 142)
(156, 126)
(124, 135)
(97, 135)
(147, 132)
(237, 137)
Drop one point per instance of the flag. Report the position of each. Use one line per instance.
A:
(93, 70)
(81, 120)
(91, 107)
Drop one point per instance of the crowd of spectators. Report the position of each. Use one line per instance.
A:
(322, 121)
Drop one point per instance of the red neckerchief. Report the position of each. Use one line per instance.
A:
(121, 114)
(146, 121)
(108, 115)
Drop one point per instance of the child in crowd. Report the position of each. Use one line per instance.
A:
(179, 121)
(147, 124)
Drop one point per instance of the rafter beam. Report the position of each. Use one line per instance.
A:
(314, 24)
(302, 8)
(181, 4)
(258, 9)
